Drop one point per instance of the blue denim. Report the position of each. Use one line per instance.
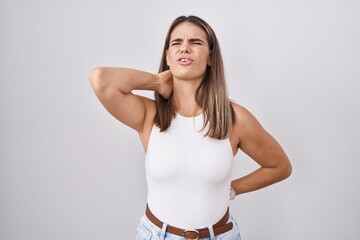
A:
(148, 231)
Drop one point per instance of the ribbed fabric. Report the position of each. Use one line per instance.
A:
(188, 175)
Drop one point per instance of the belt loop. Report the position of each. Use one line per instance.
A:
(211, 231)
(163, 231)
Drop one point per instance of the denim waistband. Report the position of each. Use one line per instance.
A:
(147, 230)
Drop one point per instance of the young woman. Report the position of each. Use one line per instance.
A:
(190, 134)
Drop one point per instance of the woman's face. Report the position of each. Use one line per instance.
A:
(188, 54)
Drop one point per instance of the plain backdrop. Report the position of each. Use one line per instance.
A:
(70, 171)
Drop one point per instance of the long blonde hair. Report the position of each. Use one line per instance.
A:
(211, 94)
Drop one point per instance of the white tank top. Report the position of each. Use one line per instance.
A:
(188, 175)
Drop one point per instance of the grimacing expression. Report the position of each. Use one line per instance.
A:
(188, 54)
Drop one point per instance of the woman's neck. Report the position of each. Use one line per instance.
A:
(184, 97)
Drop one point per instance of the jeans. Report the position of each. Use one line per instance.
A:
(148, 231)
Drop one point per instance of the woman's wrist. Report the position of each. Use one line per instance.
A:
(164, 84)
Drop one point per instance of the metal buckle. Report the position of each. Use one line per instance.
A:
(192, 231)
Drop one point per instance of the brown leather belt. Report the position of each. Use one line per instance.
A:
(220, 227)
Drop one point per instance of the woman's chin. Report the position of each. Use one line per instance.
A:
(187, 76)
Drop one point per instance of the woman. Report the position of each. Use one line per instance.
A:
(190, 134)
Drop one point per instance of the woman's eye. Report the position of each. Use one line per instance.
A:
(175, 43)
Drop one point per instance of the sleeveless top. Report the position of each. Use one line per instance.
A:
(188, 175)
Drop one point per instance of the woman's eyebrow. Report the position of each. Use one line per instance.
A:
(196, 40)
(176, 40)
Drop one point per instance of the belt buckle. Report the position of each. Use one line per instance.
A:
(192, 231)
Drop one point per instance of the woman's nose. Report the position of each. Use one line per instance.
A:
(184, 48)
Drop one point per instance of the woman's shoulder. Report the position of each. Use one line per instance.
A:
(244, 119)
(239, 110)
(246, 128)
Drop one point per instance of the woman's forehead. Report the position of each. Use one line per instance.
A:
(188, 30)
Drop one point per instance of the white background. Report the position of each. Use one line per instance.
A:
(69, 171)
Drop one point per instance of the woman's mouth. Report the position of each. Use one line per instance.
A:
(185, 60)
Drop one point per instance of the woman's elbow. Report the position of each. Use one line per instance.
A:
(96, 78)
(286, 170)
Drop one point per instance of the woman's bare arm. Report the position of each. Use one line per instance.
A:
(256, 142)
(114, 86)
